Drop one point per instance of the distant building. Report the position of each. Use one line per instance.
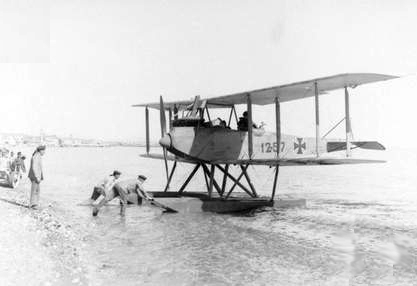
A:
(31, 140)
(51, 140)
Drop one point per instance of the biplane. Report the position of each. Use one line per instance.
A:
(212, 145)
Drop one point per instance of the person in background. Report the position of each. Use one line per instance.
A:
(17, 168)
(11, 159)
(122, 189)
(18, 164)
(243, 123)
(104, 186)
(36, 175)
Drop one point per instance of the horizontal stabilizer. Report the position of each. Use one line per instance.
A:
(334, 146)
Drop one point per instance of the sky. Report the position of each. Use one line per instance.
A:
(76, 67)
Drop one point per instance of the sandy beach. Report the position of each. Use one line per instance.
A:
(36, 248)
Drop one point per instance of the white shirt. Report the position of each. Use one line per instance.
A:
(107, 183)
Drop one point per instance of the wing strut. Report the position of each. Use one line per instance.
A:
(250, 133)
(147, 129)
(316, 96)
(278, 124)
(348, 126)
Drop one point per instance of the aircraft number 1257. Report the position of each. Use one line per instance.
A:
(271, 147)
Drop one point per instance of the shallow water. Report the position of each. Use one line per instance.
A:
(359, 226)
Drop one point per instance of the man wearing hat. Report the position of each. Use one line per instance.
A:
(123, 189)
(104, 186)
(36, 175)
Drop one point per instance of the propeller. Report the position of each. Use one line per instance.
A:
(163, 132)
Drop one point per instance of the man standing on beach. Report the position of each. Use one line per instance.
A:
(36, 175)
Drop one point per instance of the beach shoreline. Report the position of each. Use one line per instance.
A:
(37, 247)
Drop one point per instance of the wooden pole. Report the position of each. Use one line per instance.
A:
(250, 131)
(147, 129)
(347, 120)
(316, 96)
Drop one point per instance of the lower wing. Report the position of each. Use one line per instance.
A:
(272, 162)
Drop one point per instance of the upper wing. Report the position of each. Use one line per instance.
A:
(181, 104)
(285, 92)
(274, 162)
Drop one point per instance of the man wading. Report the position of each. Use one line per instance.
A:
(36, 176)
(122, 189)
(104, 186)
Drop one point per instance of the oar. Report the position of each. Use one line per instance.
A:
(157, 204)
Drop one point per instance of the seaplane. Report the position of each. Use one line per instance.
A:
(212, 145)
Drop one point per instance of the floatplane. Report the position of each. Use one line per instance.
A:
(194, 138)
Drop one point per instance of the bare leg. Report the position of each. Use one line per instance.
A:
(104, 201)
(123, 199)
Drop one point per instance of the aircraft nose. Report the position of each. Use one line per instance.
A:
(165, 141)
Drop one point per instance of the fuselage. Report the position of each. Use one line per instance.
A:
(216, 143)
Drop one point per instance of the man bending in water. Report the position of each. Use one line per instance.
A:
(104, 186)
(123, 189)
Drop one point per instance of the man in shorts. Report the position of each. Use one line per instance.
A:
(123, 189)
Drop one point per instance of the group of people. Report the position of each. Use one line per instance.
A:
(111, 187)
(13, 165)
(242, 124)
(11, 162)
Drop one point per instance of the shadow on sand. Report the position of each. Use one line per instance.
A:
(5, 185)
(13, 203)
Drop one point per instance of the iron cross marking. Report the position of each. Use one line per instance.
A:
(299, 145)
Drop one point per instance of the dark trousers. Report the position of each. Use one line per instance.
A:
(97, 191)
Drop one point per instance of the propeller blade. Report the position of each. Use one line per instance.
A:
(163, 132)
(166, 163)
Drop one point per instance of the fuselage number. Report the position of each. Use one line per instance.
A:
(271, 147)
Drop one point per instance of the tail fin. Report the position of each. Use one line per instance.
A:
(333, 146)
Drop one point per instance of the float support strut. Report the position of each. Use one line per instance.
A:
(170, 176)
(274, 187)
(236, 181)
(189, 178)
(208, 173)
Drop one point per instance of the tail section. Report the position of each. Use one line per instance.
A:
(333, 146)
